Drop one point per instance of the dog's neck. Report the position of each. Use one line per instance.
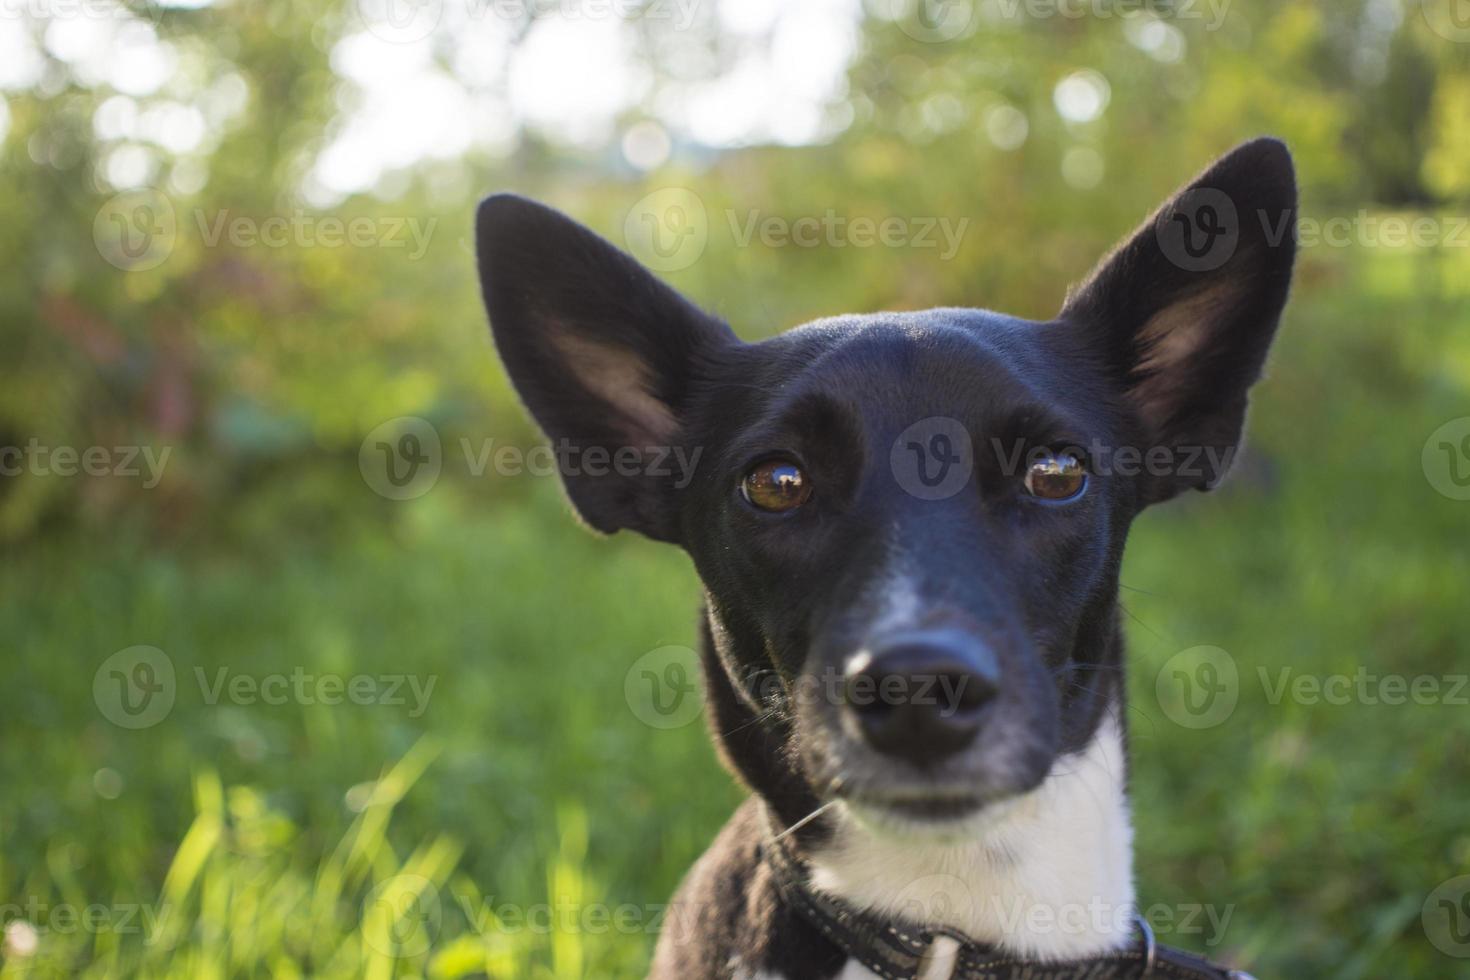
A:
(1048, 875)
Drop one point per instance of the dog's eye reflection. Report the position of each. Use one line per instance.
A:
(776, 485)
(1058, 477)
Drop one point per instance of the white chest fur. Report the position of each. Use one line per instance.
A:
(1047, 876)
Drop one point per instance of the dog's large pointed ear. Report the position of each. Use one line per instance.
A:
(1185, 310)
(604, 355)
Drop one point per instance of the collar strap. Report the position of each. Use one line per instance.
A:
(896, 951)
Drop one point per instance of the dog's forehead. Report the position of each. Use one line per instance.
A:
(931, 357)
(916, 329)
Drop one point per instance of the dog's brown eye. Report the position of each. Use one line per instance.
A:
(1059, 477)
(776, 485)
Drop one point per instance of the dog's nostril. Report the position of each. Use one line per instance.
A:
(921, 695)
(970, 691)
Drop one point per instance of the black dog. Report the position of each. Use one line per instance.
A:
(909, 527)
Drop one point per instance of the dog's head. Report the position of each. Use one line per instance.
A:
(909, 525)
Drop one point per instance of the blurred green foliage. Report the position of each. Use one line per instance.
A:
(262, 831)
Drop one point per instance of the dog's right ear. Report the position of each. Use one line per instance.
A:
(1183, 312)
(604, 355)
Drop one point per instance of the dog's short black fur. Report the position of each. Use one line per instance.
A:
(1142, 377)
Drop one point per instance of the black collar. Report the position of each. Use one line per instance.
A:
(896, 951)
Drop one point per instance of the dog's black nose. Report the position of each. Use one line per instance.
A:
(921, 695)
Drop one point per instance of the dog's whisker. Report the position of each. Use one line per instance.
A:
(1129, 613)
(807, 819)
(742, 727)
(1132, 588)
(755, 720)
(1082, 667)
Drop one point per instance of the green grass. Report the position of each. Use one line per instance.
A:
(525, 626)
(361, 840)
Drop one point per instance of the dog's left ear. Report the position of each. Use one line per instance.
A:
(604, 355)
(1185, 310)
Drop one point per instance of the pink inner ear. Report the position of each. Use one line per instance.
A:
(1171, 339)
(620, 379)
